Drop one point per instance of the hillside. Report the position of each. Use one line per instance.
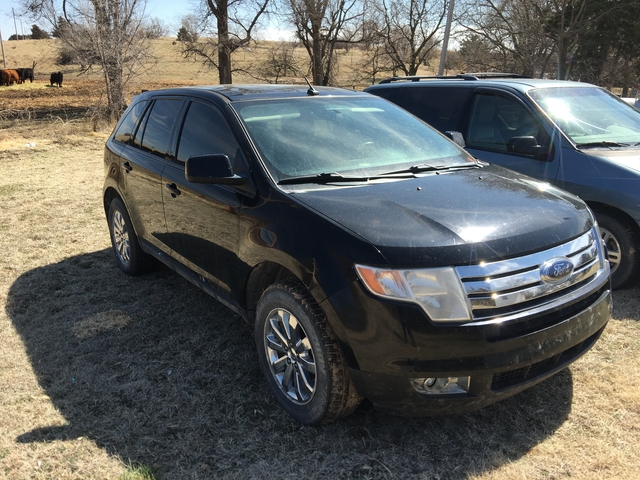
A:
(81, 92)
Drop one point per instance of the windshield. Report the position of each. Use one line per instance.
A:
(351, 136)
(590, 115)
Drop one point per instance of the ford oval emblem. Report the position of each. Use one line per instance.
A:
(556, 270)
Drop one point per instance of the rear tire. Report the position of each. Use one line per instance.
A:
(621, 242)
(300, 357)
(130, 257)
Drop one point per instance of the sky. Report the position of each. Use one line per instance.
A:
(169, 11)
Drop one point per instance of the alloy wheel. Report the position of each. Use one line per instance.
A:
(121, 238)
(613, 249)
(290, 356)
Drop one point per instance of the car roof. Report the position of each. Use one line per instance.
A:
(476, 80)
(235, 93)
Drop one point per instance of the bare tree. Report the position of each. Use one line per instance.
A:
(319, 25)
(235, 24)
(109, 35)
(410, 31)
(375, 62)
(531, 35)
(515, 31)
(279, 62)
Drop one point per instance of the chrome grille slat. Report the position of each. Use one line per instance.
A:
(528, 261)
(600, 278)
(506, 284)
(584, 257)
(497, 301)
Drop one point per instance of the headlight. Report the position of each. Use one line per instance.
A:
(437, 290)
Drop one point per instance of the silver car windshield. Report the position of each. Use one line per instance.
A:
(590, 116)
(363, 136)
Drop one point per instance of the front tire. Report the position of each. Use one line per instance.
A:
(130, 257)
(300, 357)
(621, 242)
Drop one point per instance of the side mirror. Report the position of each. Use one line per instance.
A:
(215, 169)
(527, 145)
(457, 137)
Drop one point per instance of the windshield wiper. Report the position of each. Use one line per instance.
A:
(321, 178)
(423, 167)
(604, 143)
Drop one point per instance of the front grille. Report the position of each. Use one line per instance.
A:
(509, 289)
(517, 376)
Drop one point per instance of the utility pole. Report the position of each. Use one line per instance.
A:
(4, 59)
(445, 40)
(15, 26)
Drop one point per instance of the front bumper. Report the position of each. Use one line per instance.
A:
(392, 343)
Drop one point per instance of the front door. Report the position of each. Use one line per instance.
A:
(202, 219)
(494, 119)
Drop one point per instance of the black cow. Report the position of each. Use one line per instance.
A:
(26, 73)
(56, 77)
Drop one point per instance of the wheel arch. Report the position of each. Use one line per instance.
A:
(615, 212)
(625, 232)
(109, 195)
(268, 273)
(261, 277)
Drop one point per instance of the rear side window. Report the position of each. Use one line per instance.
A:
(160, 122)
(387, 93)
(440, 107)
(127, 127)
(205, 131)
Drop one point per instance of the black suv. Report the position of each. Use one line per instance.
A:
(376, 258)
(576, 136)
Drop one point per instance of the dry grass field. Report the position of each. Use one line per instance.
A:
(104, 376)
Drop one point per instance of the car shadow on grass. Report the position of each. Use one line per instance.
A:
(157, 372)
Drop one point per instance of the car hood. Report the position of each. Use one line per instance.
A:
(456, 217)
(630, 159)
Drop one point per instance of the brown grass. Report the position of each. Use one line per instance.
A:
(105, 376)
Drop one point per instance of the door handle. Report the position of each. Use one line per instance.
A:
(173, 189)
(127, 166)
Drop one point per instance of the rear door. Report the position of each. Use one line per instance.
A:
(143, 158)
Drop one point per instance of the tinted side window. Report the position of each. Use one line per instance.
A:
(388, 93)
(495, 119)
(128, 125)
(157, 131)
(440, 107)
(205, 131)
(137, 140)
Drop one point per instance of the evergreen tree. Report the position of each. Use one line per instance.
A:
(38, 34)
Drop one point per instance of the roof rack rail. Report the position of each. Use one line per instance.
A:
(460, 76)
(497, 75)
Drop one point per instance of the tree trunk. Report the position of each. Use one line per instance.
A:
(224, 52)
(318, 71)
